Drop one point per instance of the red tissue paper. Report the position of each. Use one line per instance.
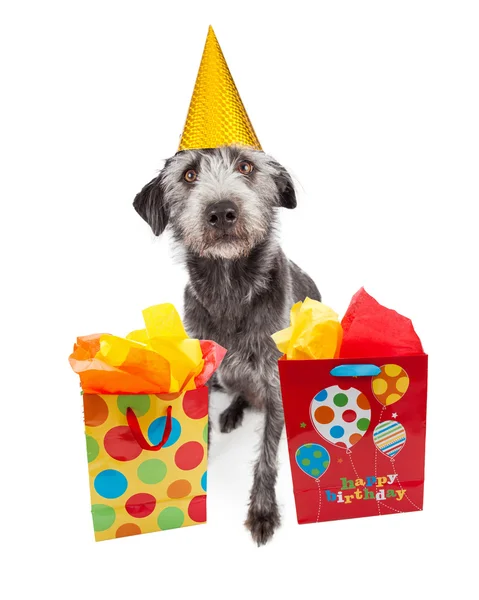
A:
(370, 329)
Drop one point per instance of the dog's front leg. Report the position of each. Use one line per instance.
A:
(232, 417)
(263, 514)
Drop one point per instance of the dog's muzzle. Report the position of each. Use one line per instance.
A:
(222, 215)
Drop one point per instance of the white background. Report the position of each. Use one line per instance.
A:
(373, 106)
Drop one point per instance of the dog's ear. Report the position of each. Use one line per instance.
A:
(150, 205)
(285, 185)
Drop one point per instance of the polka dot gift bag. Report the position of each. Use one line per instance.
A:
(146, 424)
(354, 396)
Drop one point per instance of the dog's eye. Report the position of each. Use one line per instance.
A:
(190, 175)
(245, 167)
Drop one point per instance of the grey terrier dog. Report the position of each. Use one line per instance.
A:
(221, 206)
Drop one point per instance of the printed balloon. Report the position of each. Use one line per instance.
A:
(390, 385)
(389, 437)
(341, 416)
(312, 459)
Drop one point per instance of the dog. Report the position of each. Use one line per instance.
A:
(221, 206)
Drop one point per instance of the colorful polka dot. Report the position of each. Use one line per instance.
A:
(349, 416)
(340, 444)
(139, 403)
(325, 464)
(92, 448)
(354, 438)
(181, 488)
(392, 370)
(305, 462)
(315, 472)
(103, 517)
(379, 386)
(363, 402)
(140, 505)
(170, 518)
(195, 405)
(392, 398)
(402, 384)
(363, 424)
(127, 529)
(324, 414)
(110, 484)
(321, 396)
(204, 481)
(157, 429)
(95, 410)
(336, 432)
(317, 454)
(340, 400)
(197, 509)
(205, 433)
(189, 456)
(120, 443)
(152, 471)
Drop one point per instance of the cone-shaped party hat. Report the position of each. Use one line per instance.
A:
(216, 116)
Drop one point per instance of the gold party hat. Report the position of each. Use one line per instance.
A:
(216, 116)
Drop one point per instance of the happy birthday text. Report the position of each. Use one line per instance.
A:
(362, 491)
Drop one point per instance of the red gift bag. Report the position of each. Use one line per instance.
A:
(356, 434)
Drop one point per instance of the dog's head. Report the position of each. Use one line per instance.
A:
(219, 203)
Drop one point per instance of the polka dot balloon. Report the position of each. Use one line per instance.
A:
(341, 416)
(390, 385)
(312, 459)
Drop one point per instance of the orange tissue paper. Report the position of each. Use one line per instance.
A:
(160, 359)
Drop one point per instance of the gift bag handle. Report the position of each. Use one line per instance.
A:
(140, 438)
(355, 371)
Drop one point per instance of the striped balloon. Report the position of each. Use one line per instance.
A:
(389, 437)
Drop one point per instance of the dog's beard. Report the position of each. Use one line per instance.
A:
(210, 243)
(228, 246)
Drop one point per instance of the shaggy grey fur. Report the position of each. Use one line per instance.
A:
(241, 285)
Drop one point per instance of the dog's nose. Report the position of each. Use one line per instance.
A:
(222, 215)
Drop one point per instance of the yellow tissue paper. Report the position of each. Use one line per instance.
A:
(166, 336)
(160, 358)
(315, 332)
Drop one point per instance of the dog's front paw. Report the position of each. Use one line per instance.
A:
(262, 523)
(232, 417)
